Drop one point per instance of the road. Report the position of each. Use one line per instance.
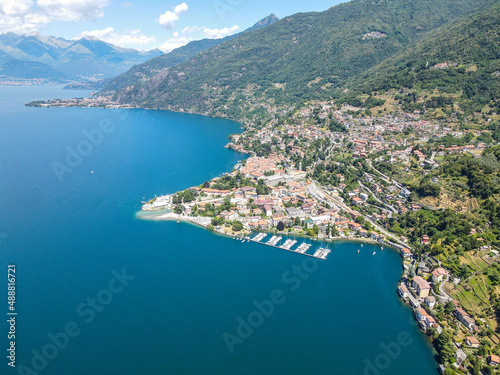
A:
(444, 296)
(378, 200)
(317, 192)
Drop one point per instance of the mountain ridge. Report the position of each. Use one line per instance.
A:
(65, 60)
(306, 56)
(154, 66)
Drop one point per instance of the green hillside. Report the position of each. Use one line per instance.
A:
(302, 57)
(148, 69)
(457, 67)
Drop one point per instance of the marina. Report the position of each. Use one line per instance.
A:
(274, 240)
(287, 245)
(322, 253)
(303, 247)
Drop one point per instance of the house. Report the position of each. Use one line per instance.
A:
(439, 274)
(472, 342)
(421, 286)
(403, 291)
(363, 232)
(405, 252)
(493, 360)
(309, 223)
(186, 208)
(263, 224)
(292, 212)
(425, 239)
(421, 314)
(267, 210)
(430, 301)
(468, 322)
(460, 313)
(354, 226)
(277, 218)
(460, 356)
(423, 269)
(357, 201)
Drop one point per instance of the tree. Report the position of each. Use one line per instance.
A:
(297, 221)
(237, 226)
(449, 308)
(444, 346)
(178, 209)
(360, 219)
(188, 196)
(280, 226)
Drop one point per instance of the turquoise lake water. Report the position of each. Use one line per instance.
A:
(69, 232)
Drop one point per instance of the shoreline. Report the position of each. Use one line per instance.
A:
(171, 216)
(162, 215)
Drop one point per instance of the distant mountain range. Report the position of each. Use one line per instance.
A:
(157, 65)
(321, 56)
(57, 60)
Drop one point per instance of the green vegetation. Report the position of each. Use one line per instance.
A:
(290, 61)
(455, 68)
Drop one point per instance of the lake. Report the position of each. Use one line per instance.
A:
(100, 291)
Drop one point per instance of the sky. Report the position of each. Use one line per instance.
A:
(145, 24)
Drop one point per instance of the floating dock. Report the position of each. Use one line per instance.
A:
(321, 253)
(274, 240)
(287, 245)
(259, 237)
(303, 247)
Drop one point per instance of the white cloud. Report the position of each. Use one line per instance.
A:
(220, 33)
(174, 43)
(181, 8)
(23, 16)
(15, 7)
(192, 29)
(73, 10)
(130, 38)
(167, 19)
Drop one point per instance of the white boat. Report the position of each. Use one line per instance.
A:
(374, 253)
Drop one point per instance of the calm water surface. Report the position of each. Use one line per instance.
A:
(191, 289)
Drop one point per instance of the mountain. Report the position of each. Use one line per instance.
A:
(302, 57)
(157, 65)
(457, 66)
(83, 59)
(269, 20)
(30, 70)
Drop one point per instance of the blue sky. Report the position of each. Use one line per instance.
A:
(145, 24)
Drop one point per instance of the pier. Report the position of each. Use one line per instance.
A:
(321, 253)
(273, 241)
(288, 244)
(303, 247)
